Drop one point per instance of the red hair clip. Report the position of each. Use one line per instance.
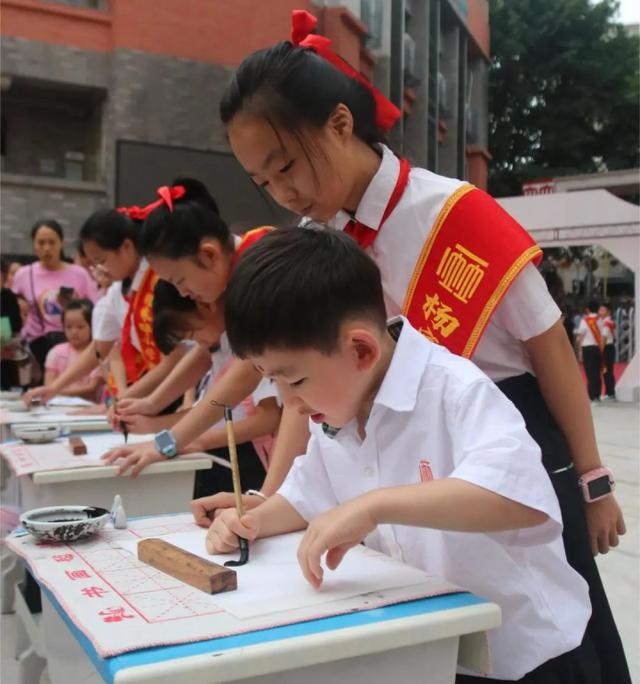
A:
(167, 195)
(302, 26)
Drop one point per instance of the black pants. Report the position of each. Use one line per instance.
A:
(609, 354)
(601, 637)
(218, 478)
(592, 360)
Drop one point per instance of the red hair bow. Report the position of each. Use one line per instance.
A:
(167, 195)
(302, 26)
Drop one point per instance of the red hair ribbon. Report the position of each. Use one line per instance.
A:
(167, 195)
(302, 25)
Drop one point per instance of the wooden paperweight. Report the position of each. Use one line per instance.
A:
(78, 447)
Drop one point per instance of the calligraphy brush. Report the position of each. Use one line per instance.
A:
(237, 488)
(105, 367)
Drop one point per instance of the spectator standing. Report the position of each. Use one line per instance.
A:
(47, 285)
(608, 332)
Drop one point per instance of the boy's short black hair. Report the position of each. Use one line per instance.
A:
(295, 287)
(170, 310)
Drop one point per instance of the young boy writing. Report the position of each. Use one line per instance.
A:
(414, 452)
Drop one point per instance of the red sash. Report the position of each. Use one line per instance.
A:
(592, 324)
(248, 239)
(140, 315)
(366, 236)
(474, 252)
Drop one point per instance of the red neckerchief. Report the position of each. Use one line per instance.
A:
(366, 236)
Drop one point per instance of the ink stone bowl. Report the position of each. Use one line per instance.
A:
(64, 523)
(37, 434)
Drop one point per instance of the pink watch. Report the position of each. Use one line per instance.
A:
(596, 484)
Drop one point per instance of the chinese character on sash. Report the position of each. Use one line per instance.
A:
(77, 574)
(114, 615)
(439, 315)
(460, 272)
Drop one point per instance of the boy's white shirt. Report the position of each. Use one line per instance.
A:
(605, 330)
(526, 310)
(587, 339)
(437, 407)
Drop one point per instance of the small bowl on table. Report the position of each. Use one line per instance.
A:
(36, 434)
(64, 523)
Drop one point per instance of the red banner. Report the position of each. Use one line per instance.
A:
(463, 272)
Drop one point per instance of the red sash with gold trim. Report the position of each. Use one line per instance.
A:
(464, 270)
(248, 239)
(592, 324)
(140, 315)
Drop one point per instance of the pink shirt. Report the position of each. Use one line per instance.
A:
(62, 356)
(44, 294)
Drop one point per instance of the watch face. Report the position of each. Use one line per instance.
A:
(599, 487)
(164, 441)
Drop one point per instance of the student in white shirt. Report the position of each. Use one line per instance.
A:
(110, 241)
(310, 132)
(413, 450)
(608, 331)
(591, 347)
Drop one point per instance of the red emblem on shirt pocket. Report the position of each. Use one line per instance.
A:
(425, 471)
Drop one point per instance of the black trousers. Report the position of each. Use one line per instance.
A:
(218, 478)
(592, 361)
(602, 648)
(609, 354)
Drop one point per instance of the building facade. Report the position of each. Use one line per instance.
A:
(83, 79)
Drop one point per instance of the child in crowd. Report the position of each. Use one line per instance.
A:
(189, 245)
(256, 419)
(608, 332)
(76, 323)
(414, 451)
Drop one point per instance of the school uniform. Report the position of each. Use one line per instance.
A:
(253, 455)
(520, 308)
(607, 330)
(591, 355)
(436, 415)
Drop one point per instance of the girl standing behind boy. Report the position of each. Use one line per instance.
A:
(76, 324)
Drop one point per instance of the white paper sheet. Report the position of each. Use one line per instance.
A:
(26, 458)
(41, 416)
(272, 581)
(75, 402)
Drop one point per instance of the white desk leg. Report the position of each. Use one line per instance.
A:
(31, 661)
(12, 572)
(67, 662)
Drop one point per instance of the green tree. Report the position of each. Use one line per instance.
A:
(563, 86)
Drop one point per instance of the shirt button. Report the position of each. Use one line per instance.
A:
(369, 471)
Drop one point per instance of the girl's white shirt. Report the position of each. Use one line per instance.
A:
(526, 310)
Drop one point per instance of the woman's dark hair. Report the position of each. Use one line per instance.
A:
(293, 289)
(109, 228)
(177, 233)
(47, 223)
(169, 311)
(83, 305)
(292, 87)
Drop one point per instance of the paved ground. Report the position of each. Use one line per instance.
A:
(618, 431)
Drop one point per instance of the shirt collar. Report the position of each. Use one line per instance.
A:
(137, 278)
(399, 388)
(377, 195)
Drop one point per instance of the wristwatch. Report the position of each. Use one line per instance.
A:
(165, 443)
(596, 484)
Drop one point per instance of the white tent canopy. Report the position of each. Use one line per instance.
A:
(585, 218)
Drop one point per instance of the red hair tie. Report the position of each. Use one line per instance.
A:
(302, 26)
(167, 195)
